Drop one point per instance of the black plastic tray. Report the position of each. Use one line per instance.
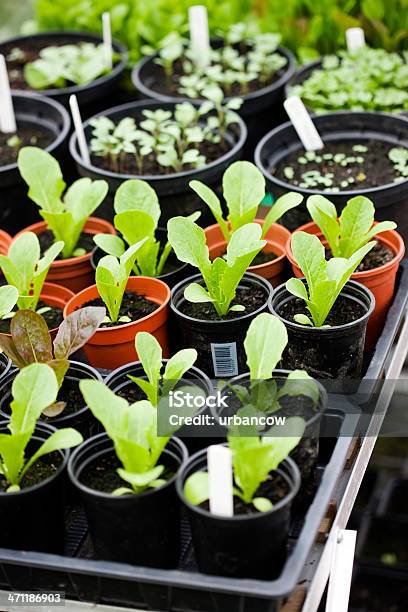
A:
(184, 589)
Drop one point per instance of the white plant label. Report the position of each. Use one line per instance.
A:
(219, 462)
(199, 34)
(79, 130)
(7, 116)
(107, 38)
(303, 124)
(355, 39)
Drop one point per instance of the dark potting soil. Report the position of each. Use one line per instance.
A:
(372, 168)
(85, 242)
(379, 255)
(252, 298)
(41, 470)
(101, 475)
(274, 488)
(344, 311)
(52, 317)
(71, 395)
(263, 258)
(25, 136)
(30, 52)
(165, 84)
(134, 306)
(125, 163)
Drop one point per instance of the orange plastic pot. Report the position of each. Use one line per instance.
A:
(276, 237)
(5, 241)
(381, 280)
(111, 347)
(74, 273)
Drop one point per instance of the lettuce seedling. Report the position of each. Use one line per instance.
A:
(150, 355)
(352, 230)
(34, 388)
(264, 344)
(26, 270)
(111, 278)
(133, 431)
(31, 342)
(244, 189)
(66, 217)
(8, 299)
(254, 457)
(324, 279)
(222, 276)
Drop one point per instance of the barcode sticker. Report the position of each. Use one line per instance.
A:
(224, 357)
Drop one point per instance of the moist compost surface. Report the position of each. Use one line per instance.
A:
(252, 298)
(274, 488)
(372, 168)
(344, 311)
(379, 255)
(133, 305)
(126, 163)
(52, 317)
(42, 469)
(263, 258)
(72, 396)
(28, 136)
(46, 240)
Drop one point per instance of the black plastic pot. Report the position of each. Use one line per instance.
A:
(95, 93)
(16, 209)
(242, 546)
(33, 518)
(219, 344)
(326, 352)
(175, 195)
(82, 420)
(170, 278)
(389, 200)
(5, 365)
(306, 452)
(261, 109)
(139, 529)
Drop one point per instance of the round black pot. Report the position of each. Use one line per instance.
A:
(5, 365)
(305, 454)
(242, 546)
(119, 381)
(170, 278)
(139, 529)
(389, 200)
(203, 335)
(261, 109)
(91, 97)
(174, 193)
(326, 352)
(17, 211)
(82, 420)
(33, 518)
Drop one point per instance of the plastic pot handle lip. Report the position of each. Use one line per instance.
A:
(117, 69)
(142, 104)
(36, 98)
(247, 276)
(276, 133)
(200, 456)
(65, 453)
(72, 469)
(321, 330)
(289, 71)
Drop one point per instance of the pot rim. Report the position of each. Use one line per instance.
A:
(254, 278)
(142, 104)
(66, 121)
(321, 330)
(200, 456)
(74, 89)
(276, 133)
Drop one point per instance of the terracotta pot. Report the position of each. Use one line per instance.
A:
(112, 347)
(277, 238)
(381, 280)
(74, 273)
(5, 241)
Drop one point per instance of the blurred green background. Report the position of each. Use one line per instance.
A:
(13, 13)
